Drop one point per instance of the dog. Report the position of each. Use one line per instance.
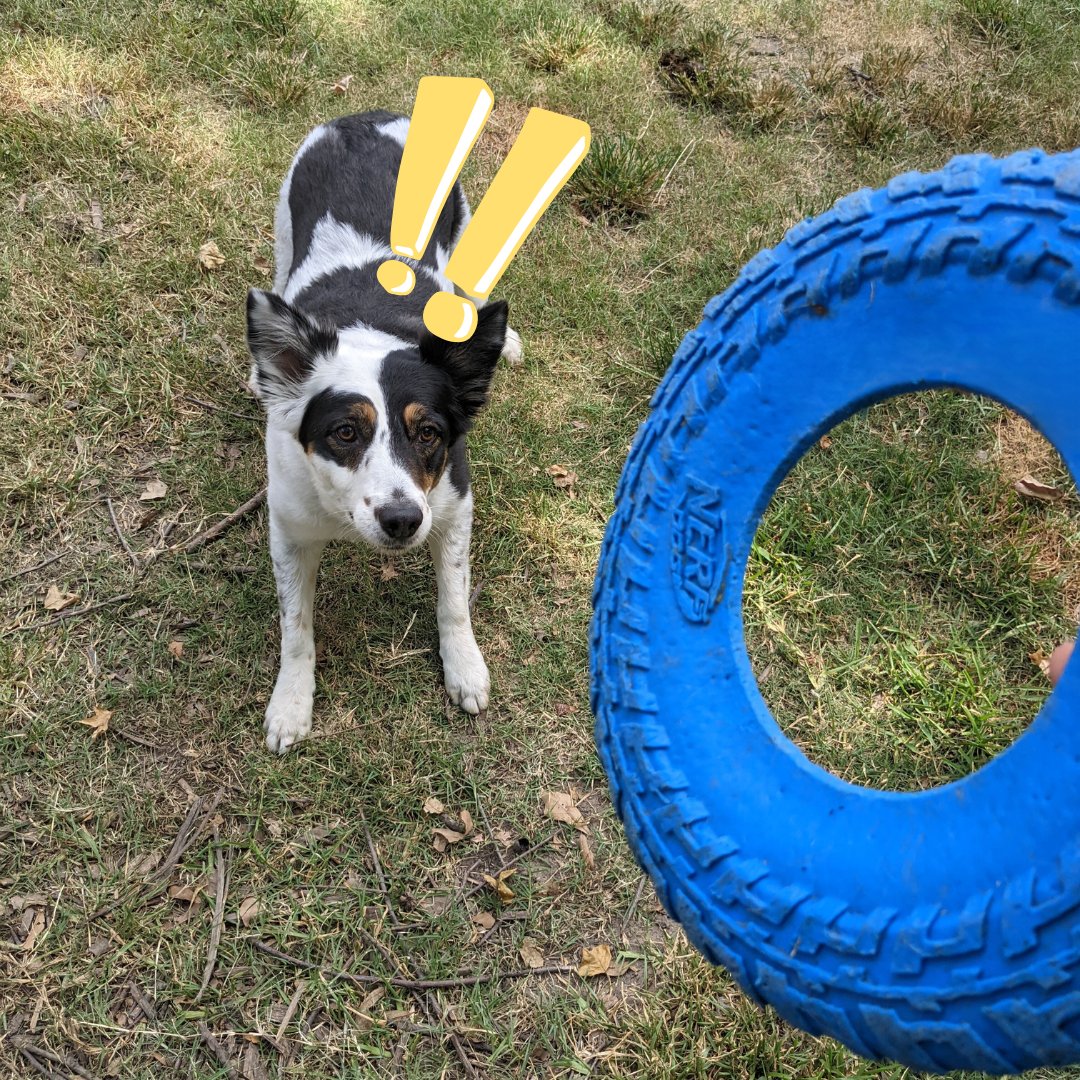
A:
(366, 411)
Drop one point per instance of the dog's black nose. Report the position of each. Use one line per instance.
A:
(399, 520)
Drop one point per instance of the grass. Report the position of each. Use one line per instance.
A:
(898, 589)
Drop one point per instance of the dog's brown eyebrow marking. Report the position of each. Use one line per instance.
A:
(365, 414)
(413, 416)
(426, 468)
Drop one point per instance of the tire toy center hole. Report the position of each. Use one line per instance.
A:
(902, 590)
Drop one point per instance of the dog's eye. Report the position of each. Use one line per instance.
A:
(429, 433)
(345, 432)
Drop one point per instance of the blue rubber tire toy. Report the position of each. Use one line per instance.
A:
(939, 928)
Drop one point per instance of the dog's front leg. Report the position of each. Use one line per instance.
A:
(288, 716)
(464, 671)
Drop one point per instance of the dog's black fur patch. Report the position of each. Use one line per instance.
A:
(284, 342)
(325, 416)
(351, 174)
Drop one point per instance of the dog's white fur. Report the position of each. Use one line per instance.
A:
(313, 500)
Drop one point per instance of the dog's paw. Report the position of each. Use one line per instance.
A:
(288, 720)
(512, 348)
(466, 677)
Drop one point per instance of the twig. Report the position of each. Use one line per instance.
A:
(409, 984)
(633, 906)
(217, 1050)
(120, 536)
(379, 870)
(207, 536)
(48, 1055)
(219, 408)
(146, 1006)
(517, 858)
(189, 830)
(137, 739)
(31, 569)
(427, 1001)
(36, 1065)
(290, 1012)
(220, 891)
(70, 613)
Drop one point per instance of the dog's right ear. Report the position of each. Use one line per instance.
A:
(284, 344)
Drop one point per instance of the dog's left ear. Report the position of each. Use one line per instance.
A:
(470, 364)
(284, 344)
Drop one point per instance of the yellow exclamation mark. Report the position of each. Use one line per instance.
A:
(447, 119)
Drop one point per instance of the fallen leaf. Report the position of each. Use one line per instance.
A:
(34, 923)
(530, 954)
(153, 490)
(262, 264)
(186, 894)
(98, 723)
(466, 820)
(372, 999)
(176, 649)
(449, 835)
(1035, 489)
(433, 806)
(559, 806)
(503, 890)
(99, 947)
(342, 85)
(55, 600)
(210, 257)
(251, 1067)
(825, 442)
(594, 961)
(562, 477)
(388, 570)
(483, 919)
(248, 909)
(20, 204)
(586, 851)
(1040, 660)
(562, 709)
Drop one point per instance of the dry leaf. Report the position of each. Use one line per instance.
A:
(825, 442)
(20, 204)
(34, 921)
(562, 477)
(210, 257)
(449, 835)
(153, 490)
(483, 919)
(1031, 488)
(388, 570)
(262, 264)
(176, 649)
(530, 954)
(586, 851)
(249, 908)
(466, 820)
(186, 894)
(499, 884)
(594, 961)
(559, 806)
(342, 85)
(1040, 660)
(55, 600)
(433, 806)
(98, 723)
(562, 709)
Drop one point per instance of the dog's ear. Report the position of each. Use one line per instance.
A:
(284, 344)
(470, 364)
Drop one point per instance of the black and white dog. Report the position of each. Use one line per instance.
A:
(366, 411)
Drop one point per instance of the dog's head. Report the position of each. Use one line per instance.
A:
(371, 421)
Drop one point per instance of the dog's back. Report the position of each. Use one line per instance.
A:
(332, 228)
